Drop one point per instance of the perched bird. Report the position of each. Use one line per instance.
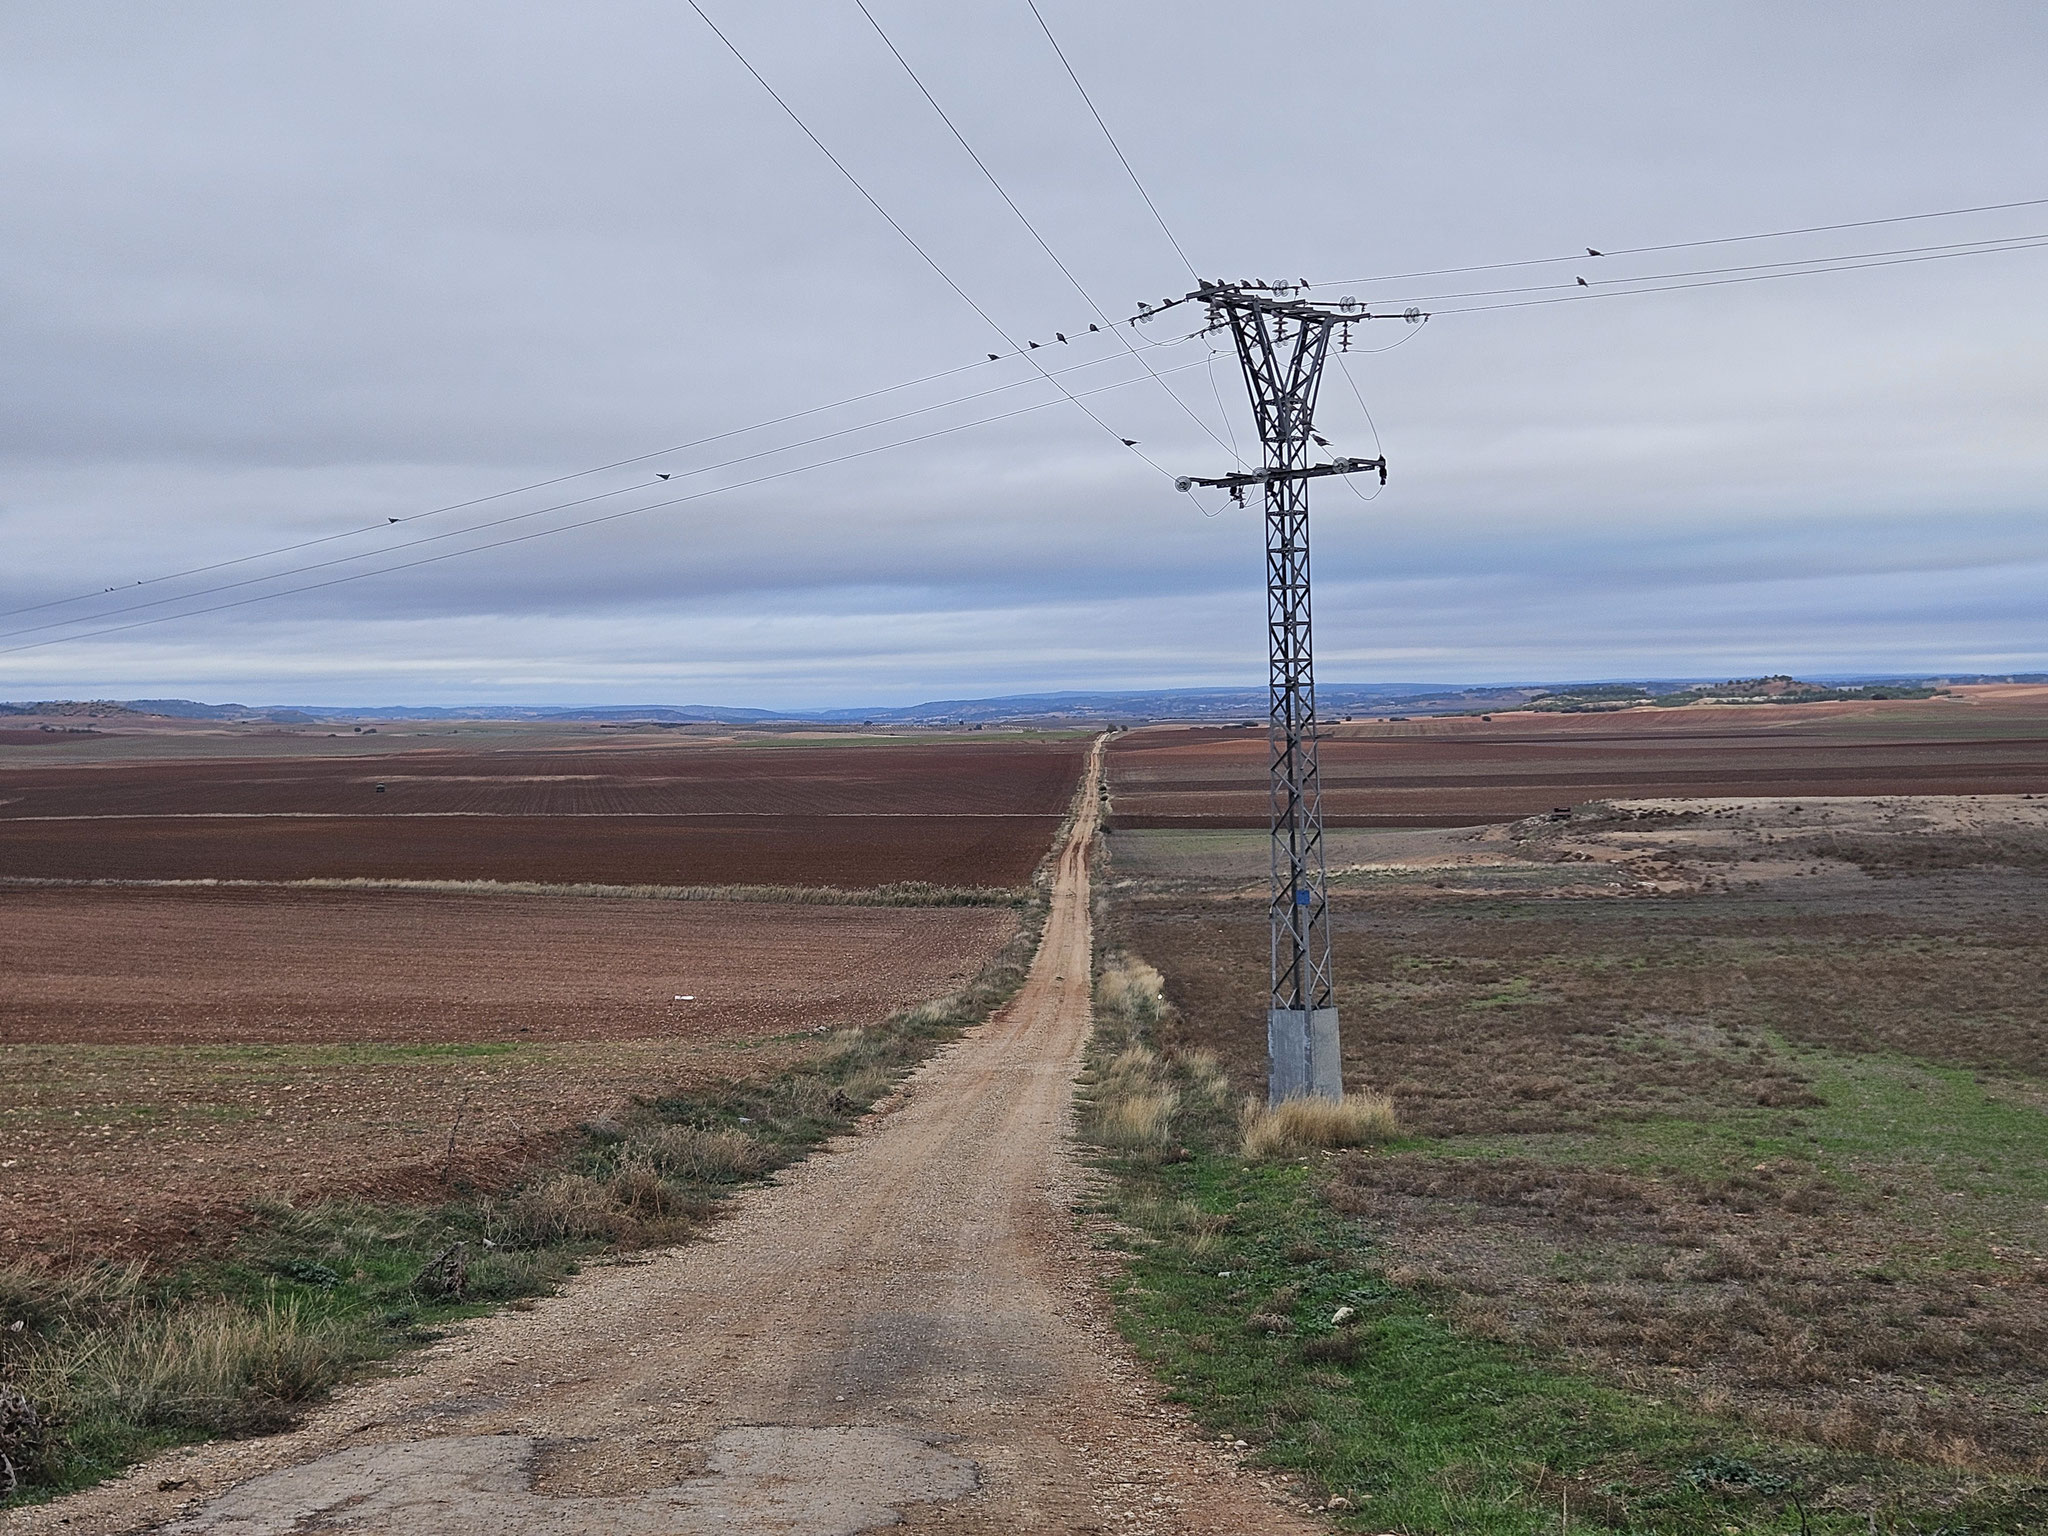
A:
(1129, 442)
(1094, 327)
(1591, 252)
(1584, 284)
(1059, 336)
(390, 519)
(659, 475)
(1033, 345)
(995, 357)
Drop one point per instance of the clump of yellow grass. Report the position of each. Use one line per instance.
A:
(1302, 1125)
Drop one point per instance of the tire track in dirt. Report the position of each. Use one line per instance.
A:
(909, 1327)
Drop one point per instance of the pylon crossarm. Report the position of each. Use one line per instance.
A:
(1270, 474)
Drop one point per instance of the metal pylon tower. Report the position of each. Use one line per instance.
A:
(1282, 344)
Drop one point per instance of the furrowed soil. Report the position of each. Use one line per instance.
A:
(1467, 771)
(1735, 1102)
(168, 1056)
(616, 812)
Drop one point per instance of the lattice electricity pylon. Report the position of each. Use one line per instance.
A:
(1282, 345)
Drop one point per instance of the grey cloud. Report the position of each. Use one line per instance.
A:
(277, 271)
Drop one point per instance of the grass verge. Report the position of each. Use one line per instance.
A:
(102, 1368)
(1285, 1325)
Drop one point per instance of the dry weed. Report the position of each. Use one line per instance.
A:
(1137, 1121)
(217, 1367)
(1299, 1125)
(705, 1157)
(560, 1208)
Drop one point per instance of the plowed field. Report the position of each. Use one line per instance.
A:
(1464, 771)
(563, 850)
(166, 1056)
(951, 814)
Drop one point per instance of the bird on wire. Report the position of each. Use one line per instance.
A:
(1591, 252)
(1584, 284)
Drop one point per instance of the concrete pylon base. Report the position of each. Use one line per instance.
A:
(1304, 1056)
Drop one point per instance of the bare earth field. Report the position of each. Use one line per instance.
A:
(169, 1053)
(165, 1056)
(1740, 1100)
(850, 850)
(615, 810)
(1465, 771)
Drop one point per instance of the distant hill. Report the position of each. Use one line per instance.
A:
(1335, 700)
(1776, 689)
(71, 709)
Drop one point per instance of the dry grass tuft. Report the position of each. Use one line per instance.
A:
(219, 1367)
(706, 1157)
(1141, 1091)
(1137, 1121)
(560, 1207)
(1301, 1125)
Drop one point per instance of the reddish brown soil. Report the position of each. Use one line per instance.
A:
(154, 967)
(609, 850)
(1012, 778)
(1466, 771)
(166, 1056)
(948, 813)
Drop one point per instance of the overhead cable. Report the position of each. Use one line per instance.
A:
(531, 513)
(944, 276)
(1680, 245)
(1818, 263)
(1124, 159)
(541, 533)
(1578, 295)
(1024, 219)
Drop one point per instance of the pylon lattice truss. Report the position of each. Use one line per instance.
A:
(1282, 345)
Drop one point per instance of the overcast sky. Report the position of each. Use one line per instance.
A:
(278, 272)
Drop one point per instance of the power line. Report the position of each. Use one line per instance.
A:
(1665, 283)
(1378, 448)
(929, 260)
(1682, 245)
(1022, 218)
(517, 490)
(1159, 217)
(1816, 263)
(526, 516)
(1579, 295)
(541, 533)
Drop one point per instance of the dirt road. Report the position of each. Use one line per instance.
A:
(908, 1328)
